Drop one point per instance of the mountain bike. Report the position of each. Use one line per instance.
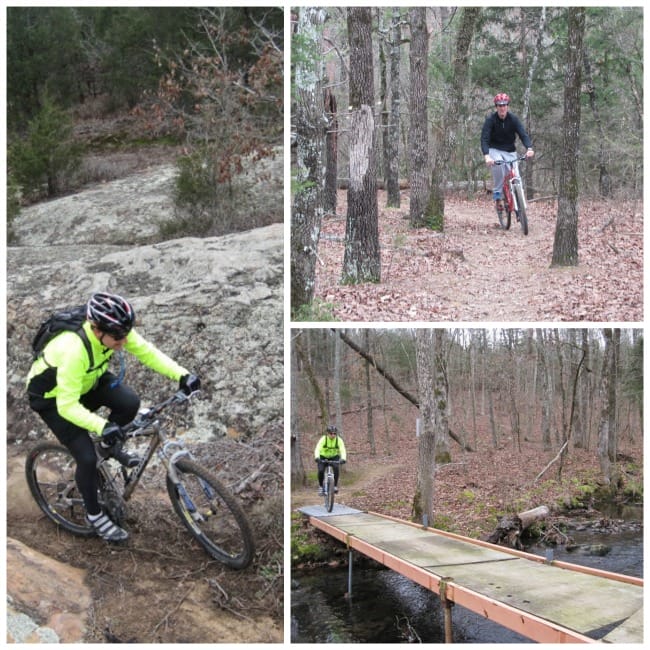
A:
(328, 483)
(207, 508)
(513, 196)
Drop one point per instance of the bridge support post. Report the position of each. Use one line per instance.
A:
(350, 573)
(446, 611)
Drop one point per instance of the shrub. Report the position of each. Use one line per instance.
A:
(41, 161)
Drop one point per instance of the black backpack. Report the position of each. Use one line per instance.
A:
(66, 320)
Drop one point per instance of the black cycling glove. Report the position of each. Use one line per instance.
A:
(190, 384)
(112, 433)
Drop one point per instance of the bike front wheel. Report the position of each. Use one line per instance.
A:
(521, 212)
(504, 215)
(329, 492)
(212, 514)
(50, 472)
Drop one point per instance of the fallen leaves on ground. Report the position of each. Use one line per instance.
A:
(475, 271)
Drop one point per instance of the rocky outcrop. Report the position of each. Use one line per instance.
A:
(213, 304)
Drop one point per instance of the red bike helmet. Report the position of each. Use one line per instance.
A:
(501, 99)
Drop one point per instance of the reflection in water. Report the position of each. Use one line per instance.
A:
(385, 608)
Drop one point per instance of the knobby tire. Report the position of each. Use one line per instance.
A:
(50, 471)
(212, 514)
(523, 218)
(504, 215)
(329, 494)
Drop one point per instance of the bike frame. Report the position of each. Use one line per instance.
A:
(509, 181)
(145, 426)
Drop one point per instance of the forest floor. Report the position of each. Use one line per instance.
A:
(478, 487)
(475, 271)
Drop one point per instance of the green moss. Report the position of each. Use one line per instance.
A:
(468, 495)
(305, 546)
(317, 310)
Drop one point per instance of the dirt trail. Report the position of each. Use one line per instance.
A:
(348, 489)
(475, 271)
(159, 587)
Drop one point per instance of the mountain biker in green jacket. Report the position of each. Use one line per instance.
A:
(329, 447)
(498, 137)
(65, 391)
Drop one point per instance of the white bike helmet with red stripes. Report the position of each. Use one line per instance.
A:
(111, 314)
(501, 99)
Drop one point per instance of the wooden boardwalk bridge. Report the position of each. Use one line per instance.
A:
(549, 602)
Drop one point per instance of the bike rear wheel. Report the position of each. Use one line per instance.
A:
(521, 213)
(329, 492)
(50, 472)
(212, 515)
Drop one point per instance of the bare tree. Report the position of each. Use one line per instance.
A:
(361, 260)
(423, 497)
(607, 425)
(298, 475)
(369, 421)
(565, 245)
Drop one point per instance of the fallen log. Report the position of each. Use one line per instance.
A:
(510, 527)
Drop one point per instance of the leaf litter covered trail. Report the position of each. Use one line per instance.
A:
(475, 271)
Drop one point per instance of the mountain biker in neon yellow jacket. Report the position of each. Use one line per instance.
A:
(65, 391)
(498, 136)
(329, 447)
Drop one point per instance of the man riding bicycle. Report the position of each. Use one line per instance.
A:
(68, 382)
(498, 143)
(329, 447)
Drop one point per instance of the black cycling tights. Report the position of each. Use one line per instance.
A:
(124, 404)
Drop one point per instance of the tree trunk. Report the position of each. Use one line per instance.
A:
(369, 424)
(565, 245)
(441, 400)
(541, 32)
(361, 260)
(310, 124)
(547, 391)
(454, 112)
(337, 384)
(298, 475)
(418, 130)
(604, 179)
(331, 151)
(423, 498)
(392, 130)
(311, 376)
(510, 527)
(608, 398)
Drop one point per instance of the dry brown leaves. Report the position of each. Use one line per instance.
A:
(475, 271)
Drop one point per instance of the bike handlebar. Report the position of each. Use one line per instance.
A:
(509, 162)
(146, 417)
(327, 461)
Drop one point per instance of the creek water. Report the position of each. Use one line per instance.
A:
(388, 608)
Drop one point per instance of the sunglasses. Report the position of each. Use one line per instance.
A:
(117, 335)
